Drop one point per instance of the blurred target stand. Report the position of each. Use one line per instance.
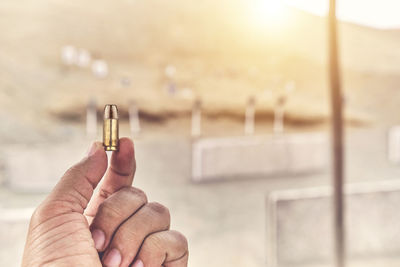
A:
(237, 157)
(213, 158)
(257, 156)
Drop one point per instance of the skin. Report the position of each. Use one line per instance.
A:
(116, 226)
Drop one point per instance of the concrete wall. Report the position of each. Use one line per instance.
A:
(37, 168)
(393, 144)
(238, 157)
(13, 230)
(300, 228)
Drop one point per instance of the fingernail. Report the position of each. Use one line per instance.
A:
(138, 263)
(92, 149)
(99, 238)
(113, 258)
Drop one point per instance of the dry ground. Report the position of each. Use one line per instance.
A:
(225, 222)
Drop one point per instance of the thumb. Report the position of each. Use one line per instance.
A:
(73, 192)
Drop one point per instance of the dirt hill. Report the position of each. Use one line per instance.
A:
(218, 54)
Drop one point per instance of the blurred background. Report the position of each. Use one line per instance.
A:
(228, 105)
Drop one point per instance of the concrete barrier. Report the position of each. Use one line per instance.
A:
(13, 230)
(393, 143)
(37, 168)
(300, 226)
(238, 157)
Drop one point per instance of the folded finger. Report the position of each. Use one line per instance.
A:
(166, 248)
(113, 212)
(125, 244)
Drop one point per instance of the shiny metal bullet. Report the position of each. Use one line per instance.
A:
(110, 128)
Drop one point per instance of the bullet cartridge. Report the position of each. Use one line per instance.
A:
(110, 128)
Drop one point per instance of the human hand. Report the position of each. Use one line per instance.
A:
(115, 227)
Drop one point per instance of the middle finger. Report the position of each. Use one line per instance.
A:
(151, 218)
(113, 212)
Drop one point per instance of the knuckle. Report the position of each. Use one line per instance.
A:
(159, 209)
(136, 193)
(104, 193)
(173, 241)
(154, 243)
(181, 240)
(74, 171)
(109, 210)
(79, 170)
(126, 233)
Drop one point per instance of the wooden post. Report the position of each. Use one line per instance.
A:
(170, 72)
(337, 142)
(134, 122)
(249, 116)
(91, 119)
(196, 118)
(279, 114)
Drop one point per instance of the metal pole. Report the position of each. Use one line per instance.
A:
(337, 141)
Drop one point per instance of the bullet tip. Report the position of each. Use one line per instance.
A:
(110, 111)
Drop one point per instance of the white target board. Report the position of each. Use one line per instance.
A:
(242, 157)
(300, 230)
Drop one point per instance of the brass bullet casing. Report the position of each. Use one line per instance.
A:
(110, 128)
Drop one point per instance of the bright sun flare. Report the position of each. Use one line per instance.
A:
(267, 12)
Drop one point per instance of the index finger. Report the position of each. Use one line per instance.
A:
(120, 174)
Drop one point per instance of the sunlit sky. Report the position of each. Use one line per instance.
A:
(375, 13)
